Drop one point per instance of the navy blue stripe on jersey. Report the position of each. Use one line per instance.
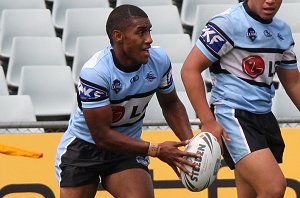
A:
(262, 50)
(90, 92)
(169, 79)
(259, 84)
(289, 61)
(140, 95)
(221, 32)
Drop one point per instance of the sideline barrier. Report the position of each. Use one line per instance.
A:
(22, 177)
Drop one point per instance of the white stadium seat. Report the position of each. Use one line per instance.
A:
(24, 22)
(33, 51)
(83, 22)
(51, 89)
(177, 46)
(24, 4)
(165, 19)
(60, 7)
(188, 9)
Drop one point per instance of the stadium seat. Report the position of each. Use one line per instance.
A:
(204, 13)
(3, 84)
(24, 4)
(289, 13)
(16, 108)
(165, 19)
(60, 7)
(283, 107)
(144, 2)
(24, 22)
(83, 22)
(176, 74)
(188, 9)
(51, 89)
(33, 51)
(177, 52)
(86, 47)
(22, 111)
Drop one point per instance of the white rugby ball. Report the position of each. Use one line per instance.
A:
(209, 162)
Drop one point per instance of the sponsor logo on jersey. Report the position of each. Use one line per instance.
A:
(212, 38)
(150, 76)
(267, 33)
(89, 92)
(117, 113)
(134, 79)
(116, 86)
(251, 34)
(253, 66)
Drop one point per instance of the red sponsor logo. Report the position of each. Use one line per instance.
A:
(253, 66)
(117, 113)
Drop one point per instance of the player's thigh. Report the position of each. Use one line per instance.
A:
(130, 183)
(87, 191)
(260, 170)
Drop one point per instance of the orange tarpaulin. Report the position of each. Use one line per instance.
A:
(9, 150)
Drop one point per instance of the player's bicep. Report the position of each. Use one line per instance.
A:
(196, 60)
(98, 120)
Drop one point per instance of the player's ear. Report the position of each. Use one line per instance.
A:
(117, 36)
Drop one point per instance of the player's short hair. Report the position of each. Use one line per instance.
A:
(121, 17)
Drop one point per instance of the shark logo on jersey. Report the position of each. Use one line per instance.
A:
(253, 66)
(116, 86)
(90, 92)
(251, 33)
(150, 76)
(212, 38)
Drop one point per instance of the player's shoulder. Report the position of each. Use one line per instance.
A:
(281, 25)
(157, 51)
(228, 14)
(158, 56)
(98, 63)
(227, 20)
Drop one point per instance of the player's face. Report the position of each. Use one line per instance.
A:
(266, 9)
(137, 41)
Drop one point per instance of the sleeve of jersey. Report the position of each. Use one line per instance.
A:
(289, 59)
(92, 89)
(214, 40)
(166, 84)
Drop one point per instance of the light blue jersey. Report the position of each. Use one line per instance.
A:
(102, 83)
(245, 51)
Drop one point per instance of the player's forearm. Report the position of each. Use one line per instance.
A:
(178, 120)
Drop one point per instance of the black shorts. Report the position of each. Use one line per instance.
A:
(248, 132)
(84, 163)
